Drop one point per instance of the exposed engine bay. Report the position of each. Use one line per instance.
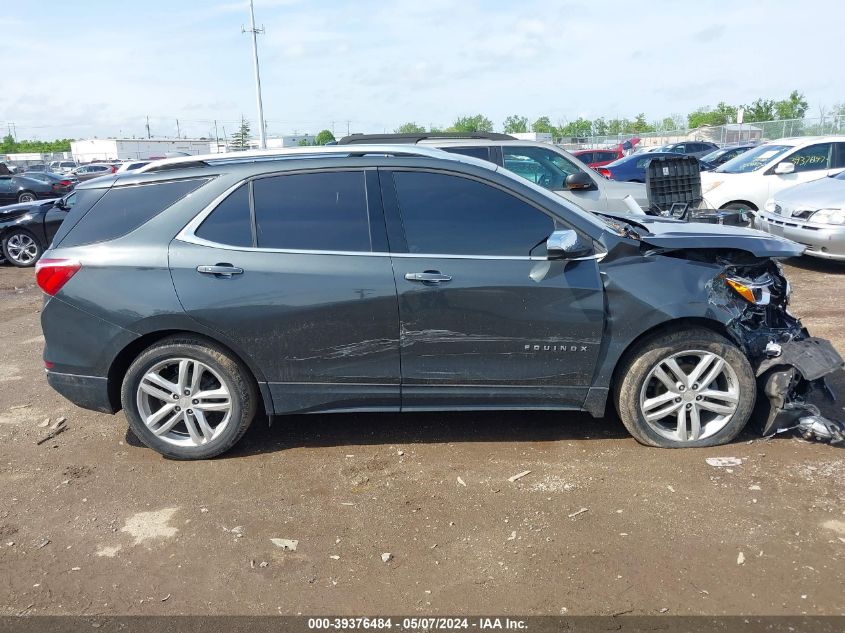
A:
(788, 362)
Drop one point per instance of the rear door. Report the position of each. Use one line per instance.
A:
(486, 318)
(293, 270)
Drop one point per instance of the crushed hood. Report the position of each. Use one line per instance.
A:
(672, 234)
(685, 235)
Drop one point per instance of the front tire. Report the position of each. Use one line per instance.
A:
(21, 248)
(27, 196)
(188, 398)
(688, 388)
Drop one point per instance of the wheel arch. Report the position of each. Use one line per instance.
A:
(750, 205)
(673, 325)
(125, 357)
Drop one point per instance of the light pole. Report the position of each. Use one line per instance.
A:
(262, 135)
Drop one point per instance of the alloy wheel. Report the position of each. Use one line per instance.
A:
(22, 248)
(184, 402)
(689, 396)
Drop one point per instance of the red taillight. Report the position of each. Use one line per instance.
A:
(52, 274)
(65, 183)
(605, 172)
(48, 364)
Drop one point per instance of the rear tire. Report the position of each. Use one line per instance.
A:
(687, 388)
(188, 398)
(27, 196)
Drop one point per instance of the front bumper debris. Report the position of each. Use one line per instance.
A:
(791, 372)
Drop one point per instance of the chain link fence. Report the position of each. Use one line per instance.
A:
(728, 134)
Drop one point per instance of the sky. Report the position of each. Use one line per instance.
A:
(85, 68)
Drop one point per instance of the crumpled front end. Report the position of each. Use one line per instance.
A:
(789, 363)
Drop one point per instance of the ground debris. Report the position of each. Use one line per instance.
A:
(462, 482)
(44, 423)
(519, 476)
(740, 559)
(288, 545)
(723, 462)
(386, 557)
(56, 430)
(166, 598)
(44, 543)
(577, 512)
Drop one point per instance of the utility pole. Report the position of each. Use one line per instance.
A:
(178, 132)
(148, 127)
(225, 140)
(216, 138)
(262, 135)
(348, 122)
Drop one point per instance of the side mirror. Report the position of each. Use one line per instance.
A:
(567, 244)
(785, 168)
(579, 181)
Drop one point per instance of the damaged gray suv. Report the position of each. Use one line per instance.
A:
(200, 291)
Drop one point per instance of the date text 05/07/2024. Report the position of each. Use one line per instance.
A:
(416, 623)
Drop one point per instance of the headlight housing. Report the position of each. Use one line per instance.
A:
(770, 205)
(756, 292)
(710, 186)
(829, 216)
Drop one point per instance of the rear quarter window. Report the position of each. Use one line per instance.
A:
(120, 210)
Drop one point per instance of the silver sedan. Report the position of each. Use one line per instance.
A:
(812, 214)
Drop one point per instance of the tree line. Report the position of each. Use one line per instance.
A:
(792, 107)
(11, 146)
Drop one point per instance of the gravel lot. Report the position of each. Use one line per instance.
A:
(93, 523)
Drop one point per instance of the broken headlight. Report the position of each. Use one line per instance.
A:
(829, 216)
(756, 291)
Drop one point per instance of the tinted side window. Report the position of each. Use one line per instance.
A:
(124, 209)
(477, 152)
(80, 203)
(586, 157)
(230, 222)
(444, 214)
(539, 165)
(320, 211)
(812, 157)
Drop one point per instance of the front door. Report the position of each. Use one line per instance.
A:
(301, 291)
(811, 163)
(486, 319)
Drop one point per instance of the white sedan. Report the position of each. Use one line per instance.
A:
(749, 180)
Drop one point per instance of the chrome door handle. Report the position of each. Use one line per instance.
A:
(429, 276)
(223, 270)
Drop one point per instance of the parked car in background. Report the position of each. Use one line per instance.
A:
(132, 165)
(723, 155)
(543, 164)
(749, 180)
(94, 170)
(630, 168)
(21, 188)
(26, 229)
(689, 148)
(36, 167)
(598, 157)
(402, 278)
(60, 184)
(63, 166)
(812, 214)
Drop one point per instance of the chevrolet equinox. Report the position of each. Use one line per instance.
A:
(199, 291)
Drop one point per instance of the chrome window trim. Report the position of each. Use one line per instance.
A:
(188, 236)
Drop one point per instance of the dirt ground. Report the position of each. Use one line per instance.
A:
(93, 523)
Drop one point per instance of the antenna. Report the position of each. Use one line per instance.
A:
(255, 31)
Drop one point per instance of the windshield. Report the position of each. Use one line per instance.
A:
(713, 155)
(754, 159)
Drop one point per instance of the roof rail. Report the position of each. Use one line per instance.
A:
(253, 156)
(354, 139)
